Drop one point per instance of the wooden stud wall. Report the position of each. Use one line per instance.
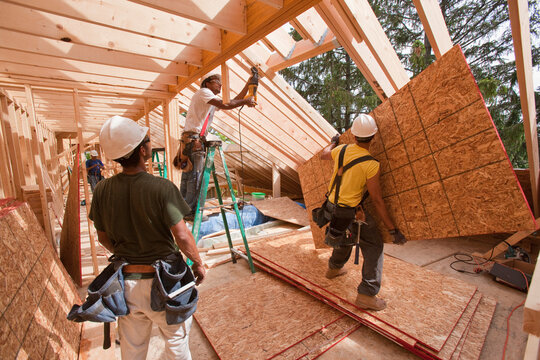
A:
(36, 291)
(444, 171)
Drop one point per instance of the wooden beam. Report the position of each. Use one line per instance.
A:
(62, 85)
(167, 133)
(8, 188)
(38, 161)
(54, 74)
(281, 41)
(225, 90)
(261, 20)
(531, 311)
(519, 21)
(67, 50)
(57, 27)
(358, 51)
(310, 26)
(303, 50)
(11, 136)
(149, 165)
(85, 182)
(19, 57)
(365, 26)
(229, 15)
(276, 182)
(133, 17)
(432, 18)
(278, 4)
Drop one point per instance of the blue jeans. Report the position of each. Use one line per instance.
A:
(93, 180)
(371, 244)
(190, 182)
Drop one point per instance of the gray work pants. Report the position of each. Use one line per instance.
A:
(371, 244)
(190, 182)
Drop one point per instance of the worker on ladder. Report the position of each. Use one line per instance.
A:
(354, 172)
(190, 156)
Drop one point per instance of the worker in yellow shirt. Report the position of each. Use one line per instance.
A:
(355, 172)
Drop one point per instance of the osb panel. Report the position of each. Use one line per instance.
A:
(386, 122)
(397, 156)
(461, 327)
(469, 154)
(259, 317)
(29, 299)
(476, 336)
(20, 311)
(429, 318)
(70, 238)
(283, 208)
(417, 146)
(437, 130)
(458, 126)
(444, 88)
(9, 344)
(477, 200)
(439, 214)
(425, 170)
(406, 115)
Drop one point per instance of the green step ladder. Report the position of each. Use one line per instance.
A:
(155, 160)
(210, 168)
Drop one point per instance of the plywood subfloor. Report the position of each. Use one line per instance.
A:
(421, 304)
(437, 146)
(261, 317)
(284, 209)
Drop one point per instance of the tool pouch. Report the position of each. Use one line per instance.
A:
(320, 215)
(339, 237)
(105, 300)
(171, 276)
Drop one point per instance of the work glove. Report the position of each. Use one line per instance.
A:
(399, 238)
(335, 140)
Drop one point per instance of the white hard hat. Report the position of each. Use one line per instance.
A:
(93, 153)
(119, 136)
(364, 126)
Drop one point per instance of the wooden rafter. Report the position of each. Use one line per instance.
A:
(519, 20)
(434, 25)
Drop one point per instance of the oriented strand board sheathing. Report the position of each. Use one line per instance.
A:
(36, 293)
(284, 209)
(422, 304)
(70, 238)
(474, 342)
(260, 317)
(444, 170)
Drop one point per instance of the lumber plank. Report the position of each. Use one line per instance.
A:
(531, 311)
(133, 17)
(435, 28)
(503, 246)
(85, 181)
(310, 25)
(519, 20)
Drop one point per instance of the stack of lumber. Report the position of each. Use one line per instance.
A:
(431, 315)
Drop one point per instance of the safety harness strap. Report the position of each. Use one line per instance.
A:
(341, 170)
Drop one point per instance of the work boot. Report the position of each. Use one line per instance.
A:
(370, 302)
(332, 273)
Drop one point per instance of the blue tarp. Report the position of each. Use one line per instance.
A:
(249, 214)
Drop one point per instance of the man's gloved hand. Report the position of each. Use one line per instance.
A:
(399, 238)
(335, 140)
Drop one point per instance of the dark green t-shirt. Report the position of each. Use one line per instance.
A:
(136, 212)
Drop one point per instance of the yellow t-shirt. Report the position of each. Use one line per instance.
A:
(353, 182)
